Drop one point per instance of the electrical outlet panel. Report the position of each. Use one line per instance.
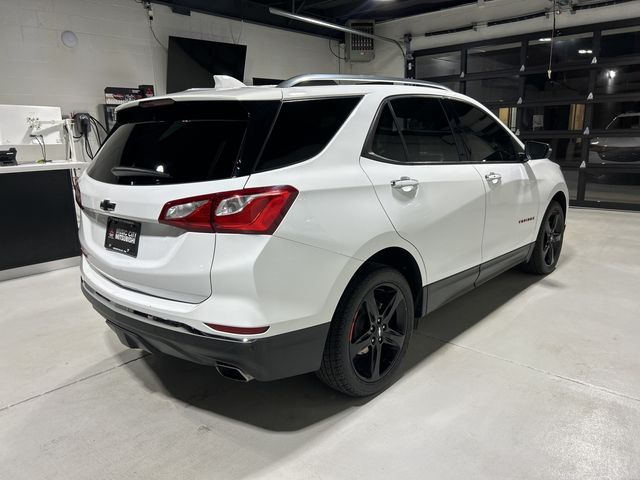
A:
(82, 123)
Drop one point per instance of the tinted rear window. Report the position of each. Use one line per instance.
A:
(189, 141)
(181, 151)
(302, 130)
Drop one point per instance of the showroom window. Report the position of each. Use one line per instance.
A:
(501, 89)
(455, 86)
(620, 41)
(606, 113)
(438, 65)
(490, 58)
(566, 48)
(619, 188)
(619, 79)
(508, 116)
(594, 81)
(565, 151)
(572, 83)
(302, 130)
(625, 121)
(553, 117)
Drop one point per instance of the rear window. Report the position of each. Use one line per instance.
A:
(184, 142)
(179, 151)
(302, 130)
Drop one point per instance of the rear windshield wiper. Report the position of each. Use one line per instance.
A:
(138, 172)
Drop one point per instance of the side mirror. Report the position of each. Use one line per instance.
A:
(536, 150)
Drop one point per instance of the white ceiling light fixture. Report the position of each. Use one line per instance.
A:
(544, 39)
(585, 52)
(611, 74)
(69, 39)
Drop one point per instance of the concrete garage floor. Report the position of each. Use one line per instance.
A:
(524, 378)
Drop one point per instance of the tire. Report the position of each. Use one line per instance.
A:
(548, 246)
(366, 344)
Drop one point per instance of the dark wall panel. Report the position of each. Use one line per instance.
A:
(37, 218)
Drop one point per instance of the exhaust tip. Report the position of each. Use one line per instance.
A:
(233, 373)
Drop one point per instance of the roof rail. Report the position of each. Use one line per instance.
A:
(324, 78)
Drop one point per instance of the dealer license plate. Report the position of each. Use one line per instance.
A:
(122, 236)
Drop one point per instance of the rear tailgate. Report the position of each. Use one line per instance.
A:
(159, 155)
(170, 262)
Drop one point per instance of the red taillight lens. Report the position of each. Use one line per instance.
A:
(250, 210)
(76, 191)
(237, 330)
(192, 213)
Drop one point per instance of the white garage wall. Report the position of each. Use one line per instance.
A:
(116, 49)
(388, 60)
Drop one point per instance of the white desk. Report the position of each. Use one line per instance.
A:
(41, 167)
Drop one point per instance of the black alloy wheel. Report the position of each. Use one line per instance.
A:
(369, 333)
(377, 332)
(546, 250)
(552, 238)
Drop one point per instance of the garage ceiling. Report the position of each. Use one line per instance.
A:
(338, 11)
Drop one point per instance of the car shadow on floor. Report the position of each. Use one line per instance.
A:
(296, 403)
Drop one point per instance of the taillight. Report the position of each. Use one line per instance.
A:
(250, 210)
(190, 213)
(76, 191)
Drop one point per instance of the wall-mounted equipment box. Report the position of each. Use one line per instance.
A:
(358, 48)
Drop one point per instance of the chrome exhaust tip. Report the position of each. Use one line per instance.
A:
(233, 373)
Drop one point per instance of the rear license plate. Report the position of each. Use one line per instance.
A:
(122, 236)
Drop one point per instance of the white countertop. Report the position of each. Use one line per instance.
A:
(41, 167)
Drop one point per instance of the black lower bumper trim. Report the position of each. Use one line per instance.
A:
(269, 358)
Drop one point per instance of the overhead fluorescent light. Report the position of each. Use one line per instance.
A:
(585, 52)
(544, 39)
(333, 26)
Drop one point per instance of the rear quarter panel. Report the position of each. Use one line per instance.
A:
(337, 209)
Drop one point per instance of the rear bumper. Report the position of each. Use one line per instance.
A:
(268, 358)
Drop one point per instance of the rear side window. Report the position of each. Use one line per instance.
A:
(485, 139)
(302, 129)
(387, 142)
(169, 152)
(425, 130)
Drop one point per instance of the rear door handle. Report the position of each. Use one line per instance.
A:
(493, 177)
(404, 182)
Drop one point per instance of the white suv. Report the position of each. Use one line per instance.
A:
(274, 231)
